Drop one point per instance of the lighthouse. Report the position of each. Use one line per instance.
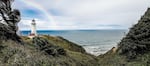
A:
(33, 28)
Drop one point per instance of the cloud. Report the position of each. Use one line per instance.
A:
(85, 14)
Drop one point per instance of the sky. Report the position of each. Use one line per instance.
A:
(80, 14)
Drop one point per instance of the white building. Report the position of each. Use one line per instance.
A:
(33, 28)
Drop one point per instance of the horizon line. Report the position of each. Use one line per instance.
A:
(73, 29)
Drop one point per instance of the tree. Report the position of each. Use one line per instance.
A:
(9, 15)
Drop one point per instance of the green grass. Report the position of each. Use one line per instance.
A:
(14, 54)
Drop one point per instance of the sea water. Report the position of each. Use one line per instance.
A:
(95, 42)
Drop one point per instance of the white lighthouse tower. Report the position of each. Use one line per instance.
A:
(33, 28)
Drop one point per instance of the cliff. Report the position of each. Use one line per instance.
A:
(134, 48)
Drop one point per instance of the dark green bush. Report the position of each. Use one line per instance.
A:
(137, 41)
(43, 45)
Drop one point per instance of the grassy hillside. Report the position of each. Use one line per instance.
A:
(134, 48)
(30, 54)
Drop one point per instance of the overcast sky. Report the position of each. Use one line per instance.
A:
(80, 14)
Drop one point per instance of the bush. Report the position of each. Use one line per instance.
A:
(137, 41)
(43, 45)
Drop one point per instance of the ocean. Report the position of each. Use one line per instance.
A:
(95, 42)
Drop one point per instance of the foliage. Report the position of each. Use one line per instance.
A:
(137, 41)
(134, 48)
(9, 16)
(43, 45)
(60, 41)
(14, 54)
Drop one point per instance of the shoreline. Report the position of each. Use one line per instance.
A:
(90, 50)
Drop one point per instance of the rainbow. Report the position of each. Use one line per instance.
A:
(43, 10)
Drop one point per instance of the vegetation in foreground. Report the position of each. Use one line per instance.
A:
(39, 51)
(134, 48)
(42, 52)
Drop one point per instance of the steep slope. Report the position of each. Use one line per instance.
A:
(134, 48)
(14, 54)
(41, 51)
(137, 41)
(64, 43)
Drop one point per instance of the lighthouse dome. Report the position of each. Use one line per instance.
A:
(33, 22)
